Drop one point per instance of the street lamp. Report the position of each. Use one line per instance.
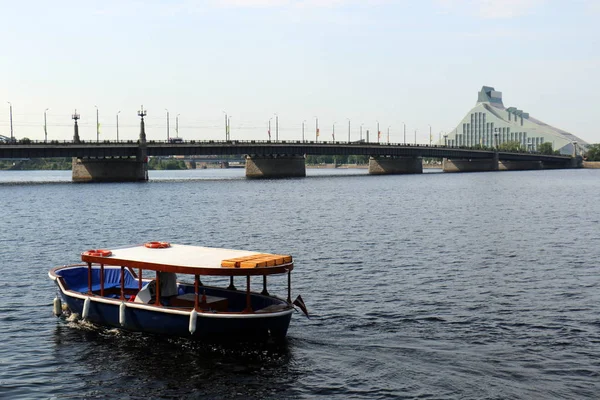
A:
(97, 126)
(429, 134)
(388, 134)
(404, 132)
(269, 131)
(415, 137)
(11, 124)
(361, 125)
(226, 126)
(45, 127)
(303, 130)
(348, 129)
(118, 112)
(177, 125)
(276, 127)
(378, 132)
(168, 137)
(333, 133)
(316, 129)
(229, 127)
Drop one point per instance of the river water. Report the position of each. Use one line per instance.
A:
(437, 286)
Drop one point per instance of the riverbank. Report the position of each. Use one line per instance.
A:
(591, 164)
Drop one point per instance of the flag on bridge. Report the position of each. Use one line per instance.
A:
(317, 132)
(269, 132)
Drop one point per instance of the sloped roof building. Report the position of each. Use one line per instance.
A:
(490, 123)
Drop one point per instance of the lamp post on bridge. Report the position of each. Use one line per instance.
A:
(303, 130)
(430, 138)
(404, 132)
(415, 137)
(388, 134)
(226, 126)
(378, 132)
(168, 136)
(348, 129)
(11, 122)
(75, 117)
(177, 125)
(276, 127)
(142, 113)
(333, 132)
(316, 129)
(269, 131)
(97, 125)
(361, 125)
(45, 127)
(118, 112)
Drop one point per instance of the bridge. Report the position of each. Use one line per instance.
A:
(127, 161)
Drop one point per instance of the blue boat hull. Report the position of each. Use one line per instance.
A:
(163, 323)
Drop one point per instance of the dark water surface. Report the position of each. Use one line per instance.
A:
(464, 286)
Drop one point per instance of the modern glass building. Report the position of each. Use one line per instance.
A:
(489, 123)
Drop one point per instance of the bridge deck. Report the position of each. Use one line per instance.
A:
(257, 147)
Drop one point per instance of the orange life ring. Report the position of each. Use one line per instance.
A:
(98, 253)
(157, 245)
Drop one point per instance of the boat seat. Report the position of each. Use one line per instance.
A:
(76, 279)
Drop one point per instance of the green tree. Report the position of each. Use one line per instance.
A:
(510, 146)
(546, 148)
(593, 152)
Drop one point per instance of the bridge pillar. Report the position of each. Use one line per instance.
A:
(114, 169)
(573, 162)
(275, 166)
(395, 165)
(109, 170)
(487, 164)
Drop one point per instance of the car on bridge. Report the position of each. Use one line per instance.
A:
(175, 140)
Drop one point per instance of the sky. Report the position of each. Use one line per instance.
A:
(408, 65)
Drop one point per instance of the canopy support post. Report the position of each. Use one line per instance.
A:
(157, 302)
(289, 299)
(231, 285)
(102, 280)
(89, 277)
(264, 291)
(140, 280)
(196, 292)
(122, 282)
(248, 299)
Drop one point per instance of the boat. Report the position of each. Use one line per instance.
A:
(157, 288)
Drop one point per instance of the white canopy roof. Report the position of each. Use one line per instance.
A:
(192, 260)
(180, 255)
